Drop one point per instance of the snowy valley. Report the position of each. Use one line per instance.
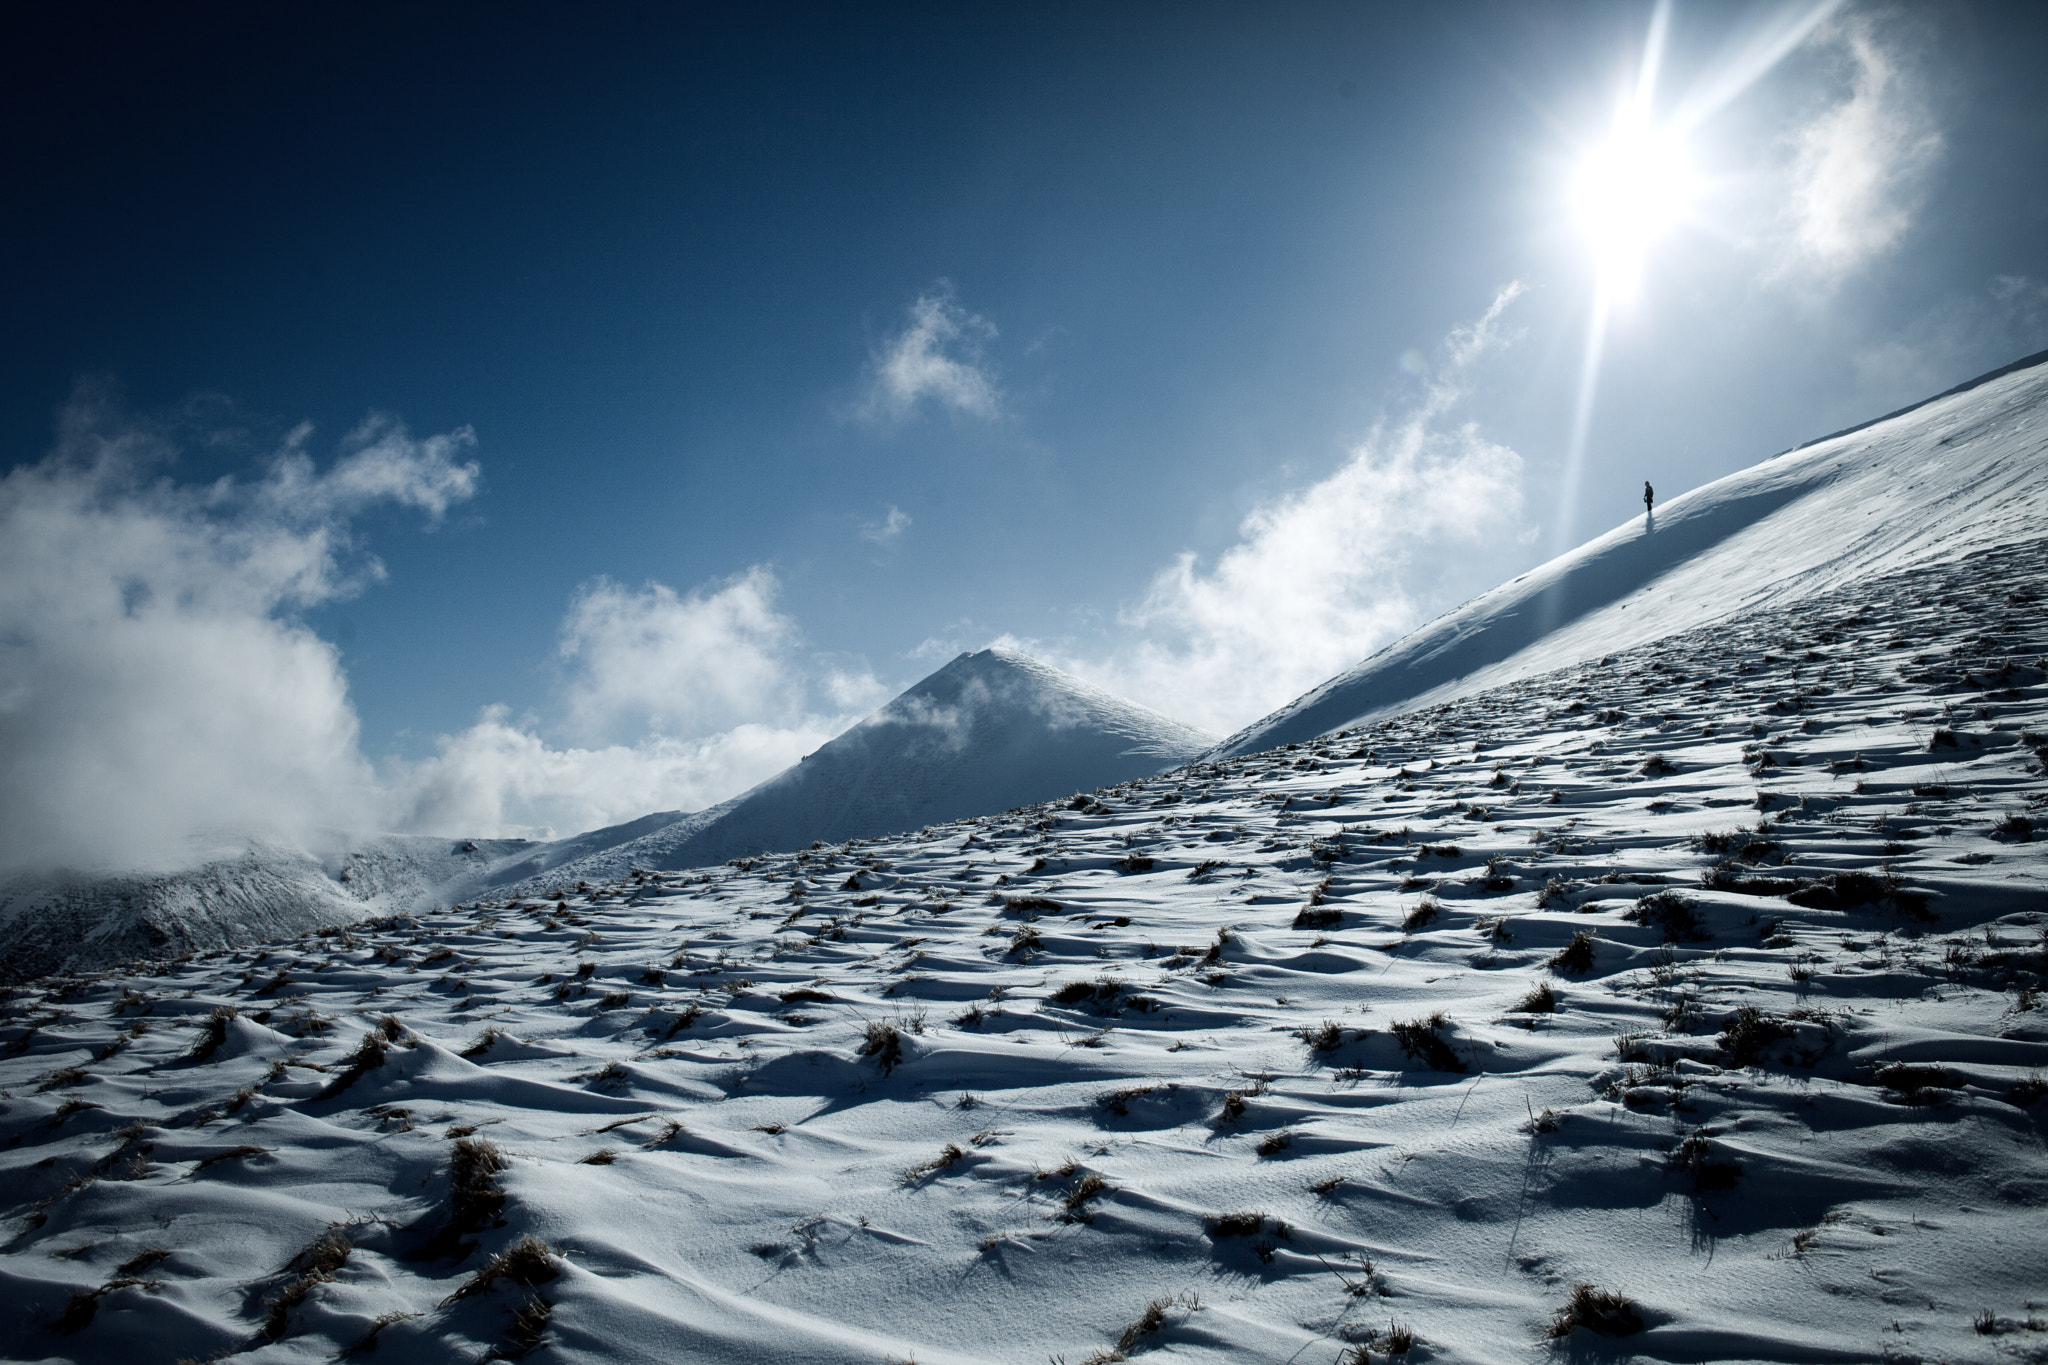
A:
(1664, 987)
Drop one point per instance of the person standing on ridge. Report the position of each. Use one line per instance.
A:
(1649, 497)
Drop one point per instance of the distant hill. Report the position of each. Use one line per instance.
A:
(246, 891)
(1964, 471)
(989, 731)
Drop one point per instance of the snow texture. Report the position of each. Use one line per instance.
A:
(1959, 472)
(1707, 975)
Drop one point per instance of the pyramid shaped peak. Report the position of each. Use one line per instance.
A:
(1015, 673)
(990, 730)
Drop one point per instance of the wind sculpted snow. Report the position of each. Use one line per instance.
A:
(1683, 1005)
(1955, 474)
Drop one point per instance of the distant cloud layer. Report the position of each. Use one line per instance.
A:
(936, 358)
(1324, 575)
(152, 681)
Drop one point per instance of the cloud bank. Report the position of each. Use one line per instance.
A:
(160, 693)
(1322, 576)
(152, 682)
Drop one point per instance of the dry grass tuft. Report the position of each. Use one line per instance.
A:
(1238, 1225)
(671, 1129)
(1074, 1208)
(1327, 1036)
(530, 1322)
(1424, 913)
(805, 995)
(1422, 1040)
(1597, 1310)
(143, 1260)
(1747, 1032)
(213, 1034)
(84, 1305)
(1118, 1102)
(473, 1192)
(368, 1340)
(1695, 1159)
(1275, 1143)
(1672, 914)
(948, 1154)
(317, 1264)
(1150, 1321)
(487, 1040)
(368, 1056)
(1542, 1000)
(1919, 1085)
(528, 1262)
(884, 1042)
(1575, 957)
(1233, 1102)
(231, 1154)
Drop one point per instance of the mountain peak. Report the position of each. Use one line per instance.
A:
(990, 730)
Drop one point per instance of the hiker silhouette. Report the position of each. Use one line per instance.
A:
(1649, 497)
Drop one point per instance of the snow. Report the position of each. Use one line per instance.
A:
(1960, 472)
(233, 890)
(988, 731)
(1099, 1097)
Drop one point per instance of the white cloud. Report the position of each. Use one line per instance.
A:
(937, 356)
(501, 779)
(152, 684)
(657, 662)
(157, 686)
(1321, 577)
(1858, 167)
(678, 701)
(888, 528)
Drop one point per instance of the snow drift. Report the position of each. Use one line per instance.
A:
(1963, 471)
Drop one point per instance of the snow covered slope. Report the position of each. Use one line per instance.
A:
(1960, 472)
(987, 732)
(1711, 976)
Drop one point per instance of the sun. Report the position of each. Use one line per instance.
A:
(1628, 192)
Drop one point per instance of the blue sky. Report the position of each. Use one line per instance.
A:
(1198, 348)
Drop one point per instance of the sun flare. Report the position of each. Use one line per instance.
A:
(1628, 192)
